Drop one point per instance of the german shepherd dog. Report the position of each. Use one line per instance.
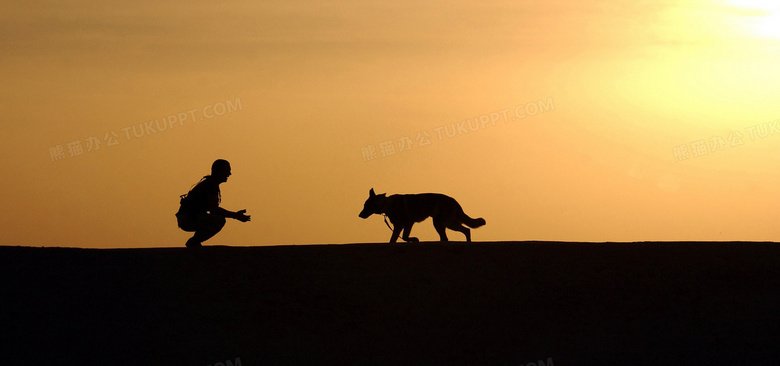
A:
(406, 209)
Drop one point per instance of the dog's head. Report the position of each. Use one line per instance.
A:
(373, 205)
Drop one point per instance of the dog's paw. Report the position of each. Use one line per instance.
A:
(412, 239)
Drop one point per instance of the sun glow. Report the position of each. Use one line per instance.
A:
(764, 17)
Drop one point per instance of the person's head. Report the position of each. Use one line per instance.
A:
(220, 170)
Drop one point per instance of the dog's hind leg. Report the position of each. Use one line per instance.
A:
(466, 231)
(407, 231)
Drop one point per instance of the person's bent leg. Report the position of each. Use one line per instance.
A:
(208, 226)
(189, 223)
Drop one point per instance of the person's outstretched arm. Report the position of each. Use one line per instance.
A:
(215, 209)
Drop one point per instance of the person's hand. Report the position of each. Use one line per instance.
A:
(242, 216)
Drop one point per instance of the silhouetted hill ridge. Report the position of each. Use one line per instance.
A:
(428, 303)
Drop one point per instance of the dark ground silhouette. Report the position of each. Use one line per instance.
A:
(422, 304)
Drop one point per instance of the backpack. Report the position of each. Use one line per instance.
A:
(192, 201)
(186, 201)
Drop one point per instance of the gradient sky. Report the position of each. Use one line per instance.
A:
(554, 120)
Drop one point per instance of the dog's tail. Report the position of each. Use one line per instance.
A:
(472, 223)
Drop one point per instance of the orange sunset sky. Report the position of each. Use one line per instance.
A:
(564, 120)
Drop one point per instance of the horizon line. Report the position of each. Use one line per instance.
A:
(422, 243)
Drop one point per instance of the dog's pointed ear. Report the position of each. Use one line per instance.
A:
(371, 193)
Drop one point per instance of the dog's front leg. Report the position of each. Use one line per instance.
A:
(396, 232)
(407, 231)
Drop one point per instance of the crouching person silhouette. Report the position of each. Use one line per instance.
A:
(200, 212)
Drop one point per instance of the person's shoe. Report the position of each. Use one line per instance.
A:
(193, 244)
